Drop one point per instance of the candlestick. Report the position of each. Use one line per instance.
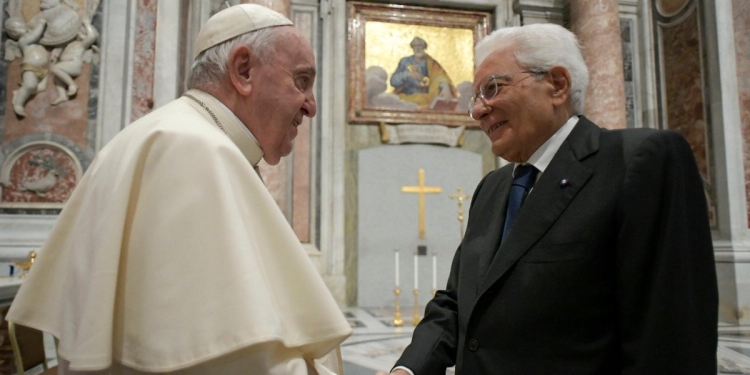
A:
(415, 317)
(397, 321)
(434, 271)
(396, 254)
(416, 271)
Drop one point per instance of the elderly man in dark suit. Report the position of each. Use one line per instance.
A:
(590, 253)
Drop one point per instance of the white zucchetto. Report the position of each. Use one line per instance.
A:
(235, 21)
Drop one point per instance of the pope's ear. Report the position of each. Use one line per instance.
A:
(560, 79)
(240, 68)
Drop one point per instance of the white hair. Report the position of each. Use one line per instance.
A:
(540, 47)
(210, 66)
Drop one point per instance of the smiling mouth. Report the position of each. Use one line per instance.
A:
(494, 127)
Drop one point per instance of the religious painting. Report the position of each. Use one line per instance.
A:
(412, 64)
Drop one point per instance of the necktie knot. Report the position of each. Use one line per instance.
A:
(524, 176)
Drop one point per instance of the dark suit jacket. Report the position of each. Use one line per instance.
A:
(612, 272)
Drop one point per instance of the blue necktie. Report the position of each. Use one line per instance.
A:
(523, 179)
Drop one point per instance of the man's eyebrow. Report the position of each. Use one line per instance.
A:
(504, 76)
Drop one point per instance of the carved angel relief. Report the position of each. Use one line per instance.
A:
(56, 41)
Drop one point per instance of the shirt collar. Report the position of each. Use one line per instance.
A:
(544, 154)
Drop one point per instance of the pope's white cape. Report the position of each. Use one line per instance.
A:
(171, 252)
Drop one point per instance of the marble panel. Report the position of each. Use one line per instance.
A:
(302, 158)
(741, 13)
(388, 219)
(144, 58)
(628, 52)
(301, 187)
(726, 279)
(742, 274)
(684, 95)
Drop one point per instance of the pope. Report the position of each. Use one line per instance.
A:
(171, 255)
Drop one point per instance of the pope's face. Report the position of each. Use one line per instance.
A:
(520, 118)
(282, 95)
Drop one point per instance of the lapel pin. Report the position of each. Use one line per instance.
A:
(564, 182)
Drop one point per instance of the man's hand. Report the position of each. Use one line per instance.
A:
(396, 372)
(417, 76)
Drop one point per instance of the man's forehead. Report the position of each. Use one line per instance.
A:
(296, 54)
(500, 61)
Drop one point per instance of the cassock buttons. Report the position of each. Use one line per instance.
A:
(473, 345)
(564, 182)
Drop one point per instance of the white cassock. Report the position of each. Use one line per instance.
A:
(171, 256)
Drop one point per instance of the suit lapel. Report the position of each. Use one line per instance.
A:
(489, 237)
(547, 200)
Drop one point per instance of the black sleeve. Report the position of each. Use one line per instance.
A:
(666, 276)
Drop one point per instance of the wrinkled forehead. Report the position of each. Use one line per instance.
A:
(294, 48)
(500, 61)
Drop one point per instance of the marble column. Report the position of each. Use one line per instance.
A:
(281, 6)
(597, 25)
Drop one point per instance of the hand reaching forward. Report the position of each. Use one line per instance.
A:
(397, 372)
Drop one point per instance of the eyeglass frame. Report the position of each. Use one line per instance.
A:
(483, 98)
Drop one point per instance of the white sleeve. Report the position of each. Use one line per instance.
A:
(404, 368)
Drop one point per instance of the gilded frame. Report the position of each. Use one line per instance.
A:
(464, 28)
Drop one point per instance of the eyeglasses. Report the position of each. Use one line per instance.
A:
(493, 85)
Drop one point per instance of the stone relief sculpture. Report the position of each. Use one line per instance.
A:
(35, 60)
(62, 27)
(70, 63)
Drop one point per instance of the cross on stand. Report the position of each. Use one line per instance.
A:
(460, 196)
(421, 190)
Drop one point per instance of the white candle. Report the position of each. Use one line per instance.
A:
(416, 272)
(396, 253)
(434, 272)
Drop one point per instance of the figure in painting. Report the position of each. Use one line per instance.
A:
(70, 62)
(420, 79)
(35, 60)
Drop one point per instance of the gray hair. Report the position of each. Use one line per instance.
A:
(210, 67)
(541, 47)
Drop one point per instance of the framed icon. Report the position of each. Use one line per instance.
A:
(412, 64)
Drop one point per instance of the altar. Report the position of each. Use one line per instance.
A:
(9, 286)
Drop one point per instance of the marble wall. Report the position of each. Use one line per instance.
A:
(389, 218)
(143, 61)
(683, 89)
(741, 13)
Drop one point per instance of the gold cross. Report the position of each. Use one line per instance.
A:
(460, 196)
(421, 190)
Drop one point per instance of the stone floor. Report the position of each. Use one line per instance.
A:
(376, 344)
